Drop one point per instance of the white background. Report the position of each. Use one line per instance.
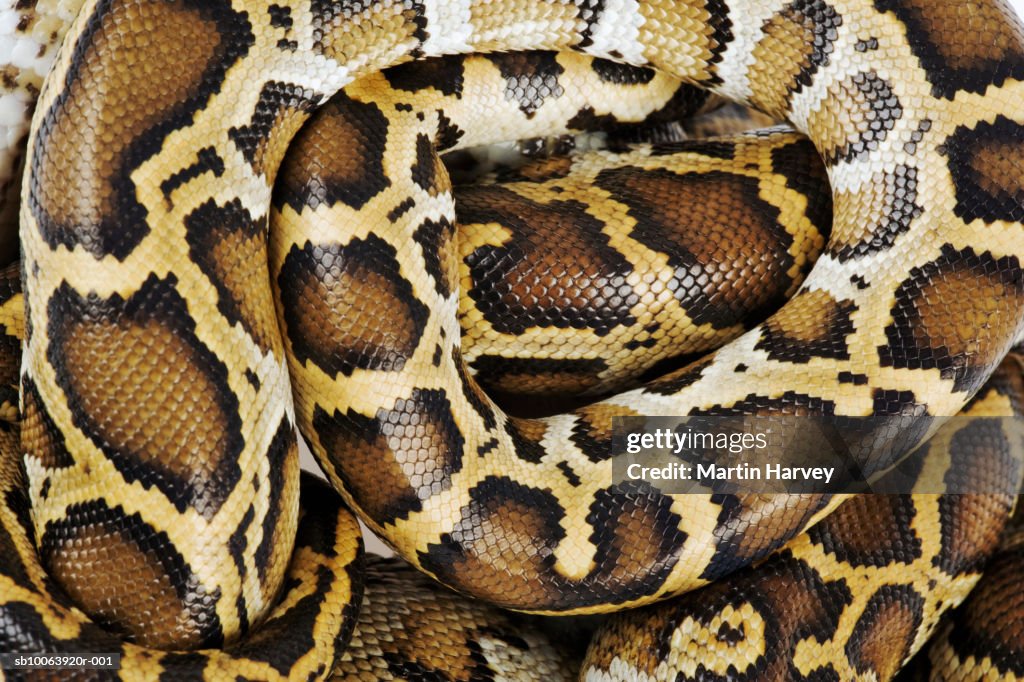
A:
(375, 545)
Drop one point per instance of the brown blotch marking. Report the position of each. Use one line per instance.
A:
(39, 433)
(337, 158)
(399, 457)
(884, 635)
(982, 461)
(638, 541)
(797, 42)
(737, 545)
(281, 110)
(501, 549)
(361, 459)
(592, 431)
(812, 324)
(868, 110)
(332, 296)
(639, 630)
(871, 530)
(974, 631)
(556, 270)
(112, 353)
(962, 44)
(962, 514)
(987, 171)
(82, 193)
(156, 599)
(740, 233)
(957, 314)
(225, 241)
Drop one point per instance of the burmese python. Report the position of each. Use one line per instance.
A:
(926, 231)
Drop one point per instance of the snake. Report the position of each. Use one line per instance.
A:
(916, 122)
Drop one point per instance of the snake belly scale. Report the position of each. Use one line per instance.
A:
(157, 388)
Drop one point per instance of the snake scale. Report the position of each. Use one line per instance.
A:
(170, 348)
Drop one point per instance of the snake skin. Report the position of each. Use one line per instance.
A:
(156, 389)
(857, 596)
(983, 639)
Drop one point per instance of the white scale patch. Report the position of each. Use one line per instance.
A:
(617, 32)
(449, 27)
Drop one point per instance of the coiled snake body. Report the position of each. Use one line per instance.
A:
(156, 390)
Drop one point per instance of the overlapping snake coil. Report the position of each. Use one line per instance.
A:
(169, 347)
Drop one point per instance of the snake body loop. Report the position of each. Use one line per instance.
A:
(158, 378)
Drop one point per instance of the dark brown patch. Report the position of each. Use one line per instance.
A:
(638, 541)
(337, 158)
(621, 74)
(92, 204)
(332, 297)
(737, 545)
(556, 270)
(474, 395)
(870, 530)
(957, 314)
(738, 233)
(884, 636)
(448, 134)
(445, 74)
(962, 44)
(282, 507)
(987, 170)
(552, 376)
(437, 239)
(793, 601)
(678, 379)
(502, 547)
(229, 246)
(427, 171)
(982, 461)
(526, 435)
(976, 630)
(150, 594)
(811, 325)
(94, 340)
(392, 461)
